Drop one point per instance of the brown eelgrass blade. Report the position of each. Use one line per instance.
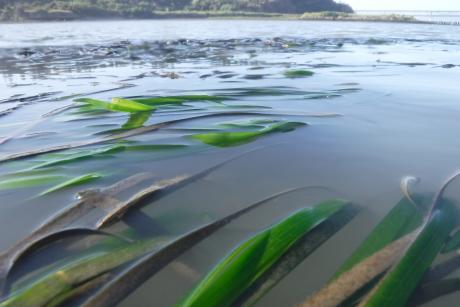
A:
(344, 286)
(351, 281)
(62, 223)
(103, 199)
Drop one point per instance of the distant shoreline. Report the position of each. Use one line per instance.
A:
(320, 16)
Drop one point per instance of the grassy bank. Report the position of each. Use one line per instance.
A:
(337, 16)
(67, 15)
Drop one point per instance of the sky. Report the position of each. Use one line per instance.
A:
(430, 5)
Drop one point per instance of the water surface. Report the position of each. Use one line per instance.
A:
(392, 88)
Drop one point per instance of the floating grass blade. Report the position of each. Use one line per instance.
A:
(94, 103)
(117, 104)
(239, 270)
(178, 100)
(147, 129)
(71, 183)
(85, 155)
(137, 120)
(227, 139)
(158, 101)
(155, 147)
(32, 172)
(120, 104)
(142, 130)
(33, 181)
(298, 73)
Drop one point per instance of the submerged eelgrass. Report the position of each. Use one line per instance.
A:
(242, 267)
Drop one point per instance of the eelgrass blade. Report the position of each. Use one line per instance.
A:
(177, 100)
(401, 220)
(131, 278)
(227, 139)
(142, 130)
(344, 286)
(75, 293)
(298, 73)
(30, 181)
(296, 254)
(347, 284)
(397, 285)
(71, 183)
(113, 209)
(375, 255)
(137, 120)
(117, 104)
(81, 156)
(45, 290)
(242, 267)
(120, 104)
(158, 101)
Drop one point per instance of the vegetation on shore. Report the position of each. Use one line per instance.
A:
(342, 16)
(20, 10)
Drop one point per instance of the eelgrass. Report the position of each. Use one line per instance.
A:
(245, 264)
(298, 73)
(405, 253)
(227, 139)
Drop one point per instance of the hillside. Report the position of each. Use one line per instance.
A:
(18, 10)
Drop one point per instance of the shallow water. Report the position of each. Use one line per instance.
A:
(390, 90)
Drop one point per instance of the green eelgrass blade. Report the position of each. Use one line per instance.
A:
(397, 285)
(401, 220)
(141, 270)
(137, 120)
(65, 279)
(296, 254)
(26, 182)
(298, 73)
(239, 270)
(345, 286)
(125, 105)
(84, 155)
(158, 101)
(177, 100)
(71, 183)
(227, 139)
(117, 104)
